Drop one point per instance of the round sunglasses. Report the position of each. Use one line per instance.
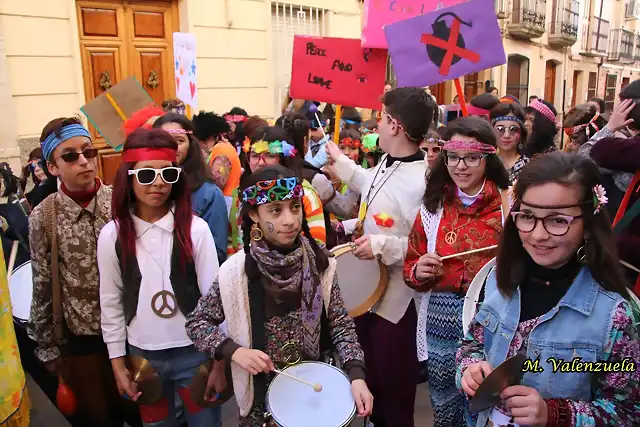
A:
(147, 176)
(512, 130)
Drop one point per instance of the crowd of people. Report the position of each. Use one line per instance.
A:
(213, 244)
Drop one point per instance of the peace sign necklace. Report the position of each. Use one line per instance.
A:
(163, 303)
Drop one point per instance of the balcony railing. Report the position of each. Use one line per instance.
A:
(563, 30)
(621, 45)
(636, 52)
(595, 37)
(528, 19)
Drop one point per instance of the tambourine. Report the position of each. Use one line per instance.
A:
(362, 282)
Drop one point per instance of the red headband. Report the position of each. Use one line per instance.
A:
(142, 154)
(477, 111)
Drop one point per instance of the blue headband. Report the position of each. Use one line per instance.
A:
(507, 119)
(67, 132)
(350, 122)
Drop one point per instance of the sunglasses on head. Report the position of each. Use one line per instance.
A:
(147, 176)
(73, 156)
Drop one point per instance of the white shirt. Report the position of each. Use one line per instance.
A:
(399, 189)
(154, 245)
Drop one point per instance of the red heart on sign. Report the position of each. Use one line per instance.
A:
(177, 84)
(192, 86)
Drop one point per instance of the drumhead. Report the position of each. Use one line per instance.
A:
(21, 291)
(362, 283)
(293, 404)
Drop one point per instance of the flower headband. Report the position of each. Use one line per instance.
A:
(477, 147)
(543, 109)
(275, 147)
(508, 119)
(237, 118)
(273, 191)
(573, 130)
(599, 198)
(370, 143)
(351, 143)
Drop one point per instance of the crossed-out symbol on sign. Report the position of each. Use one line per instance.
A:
(451, 47)
(168, 307)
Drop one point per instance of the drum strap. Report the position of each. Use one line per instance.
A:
(52, 233)
(258, 318)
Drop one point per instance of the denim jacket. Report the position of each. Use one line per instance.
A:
(208, 203)
(578, 326)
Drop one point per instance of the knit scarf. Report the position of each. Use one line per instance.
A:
(284, 274)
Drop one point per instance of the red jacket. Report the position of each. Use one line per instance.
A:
(476, 226)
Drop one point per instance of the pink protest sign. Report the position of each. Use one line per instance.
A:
(378, 13)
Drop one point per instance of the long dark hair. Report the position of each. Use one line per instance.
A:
(123, 199)
(602, 257)
(543, 132)
(297, 127)
(193, 166)
(266, 174)
(439, 179)
(511, 109)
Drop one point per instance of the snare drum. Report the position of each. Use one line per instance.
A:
(21, 292)
(362, 283)
(293, 404)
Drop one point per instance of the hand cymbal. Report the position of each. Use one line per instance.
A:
(147, 379)
(199, 385)
(505, 375)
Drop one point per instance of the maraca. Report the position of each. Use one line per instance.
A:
(65, 398)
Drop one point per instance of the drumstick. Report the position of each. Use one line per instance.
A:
(469, 252)
(316, 387)
(12, 259)
(629, 266)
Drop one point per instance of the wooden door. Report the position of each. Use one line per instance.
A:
(438, 91)
(576, 74)
(550, 82)
(471, 86)
(120, 39)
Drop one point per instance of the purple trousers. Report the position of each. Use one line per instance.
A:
(392, 366)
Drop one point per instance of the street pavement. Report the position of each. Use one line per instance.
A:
(45, 414)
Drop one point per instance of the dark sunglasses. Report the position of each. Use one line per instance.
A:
(73, 156)
(147, 176)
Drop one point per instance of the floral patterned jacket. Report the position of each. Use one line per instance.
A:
(78, 229)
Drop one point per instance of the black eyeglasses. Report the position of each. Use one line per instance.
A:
(556, 225)
(73, 156)
(512, 130)
(471, 161)
(147, 176)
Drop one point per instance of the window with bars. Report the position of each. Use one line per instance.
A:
(287, 21)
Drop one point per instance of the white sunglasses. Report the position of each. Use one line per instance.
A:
(147, 176)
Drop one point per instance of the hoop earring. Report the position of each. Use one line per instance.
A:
(256, 233)
(582, 254)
